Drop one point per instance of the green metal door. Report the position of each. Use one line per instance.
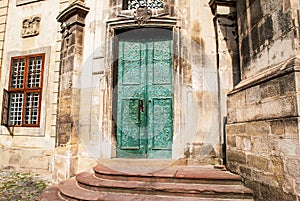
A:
(145, 98)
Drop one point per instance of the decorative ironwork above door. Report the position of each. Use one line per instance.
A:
(152, 4)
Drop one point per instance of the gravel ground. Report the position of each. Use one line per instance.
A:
(20, 186)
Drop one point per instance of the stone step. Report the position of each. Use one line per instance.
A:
(89, 181)
(172, 174)
(72, 191)
(52, 194)
(122, 182)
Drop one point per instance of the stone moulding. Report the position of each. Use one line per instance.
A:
(23, 2)
(31, 26)
(215, 3)
(76, 8)
(283, 68)
(125, 22)
(72, 15)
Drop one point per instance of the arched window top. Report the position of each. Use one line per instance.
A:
(152, 4)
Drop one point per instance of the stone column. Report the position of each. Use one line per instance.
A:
(72, 24)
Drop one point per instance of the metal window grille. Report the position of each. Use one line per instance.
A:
(18, 73)
(16, 106)
(32, 108)
(34, 72)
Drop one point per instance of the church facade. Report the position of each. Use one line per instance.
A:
(197, 82)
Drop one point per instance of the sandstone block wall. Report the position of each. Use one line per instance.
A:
(263, 110)
(263, 138)
(267, 33)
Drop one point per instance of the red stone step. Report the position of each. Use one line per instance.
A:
(175, 183)
(89, 181)
(71, 190)
(176, 174)
(51, 194)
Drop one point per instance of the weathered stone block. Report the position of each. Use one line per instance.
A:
(289, 105)
(236, 100)
(269, 193)
(231, 141)
(247, 144)
(289, 147)
(272, 108)
(269, 89)
(233, 166)
(287, 84)
(231, 115)
(291, 128)
(239, 142)
(259, 145)
(276, 165)
(293, 167)
(277, 127)
(259, 128)
(253, 95)
(236, 156)
(246, 171)
(289, 184)
(257, 162)
(250, 113)
(233, 129)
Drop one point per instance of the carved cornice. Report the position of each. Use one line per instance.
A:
(76, 8)
(215, 3)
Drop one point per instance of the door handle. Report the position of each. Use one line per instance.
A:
(141, 106)
(141, 109)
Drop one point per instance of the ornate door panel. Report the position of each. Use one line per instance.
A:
(145, 98)
(160, 99)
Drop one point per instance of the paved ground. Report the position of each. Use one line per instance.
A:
(21, 186)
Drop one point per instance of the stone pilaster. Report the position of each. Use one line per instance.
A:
(72, 24)
(225, 23)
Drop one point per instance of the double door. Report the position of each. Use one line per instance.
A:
(145, 98)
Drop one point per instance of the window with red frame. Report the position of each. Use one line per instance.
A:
(22, 100)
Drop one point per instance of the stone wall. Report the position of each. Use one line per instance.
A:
(267, 31)
(3, 19)
(30, 147)
(263, 109)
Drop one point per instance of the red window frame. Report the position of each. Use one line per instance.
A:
(28, 77)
